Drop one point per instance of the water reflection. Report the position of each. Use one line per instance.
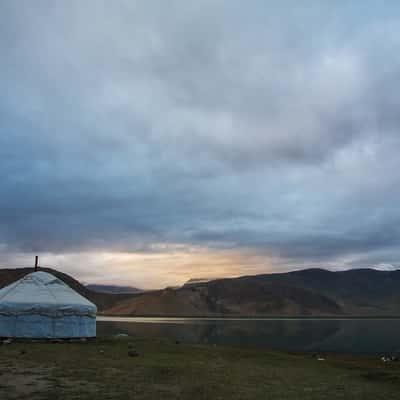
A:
(361, 336)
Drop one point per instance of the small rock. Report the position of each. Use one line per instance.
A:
(101, 351)
(177, 342)
(121, 335)
(386, 359)
(22, 352)
(133, 353)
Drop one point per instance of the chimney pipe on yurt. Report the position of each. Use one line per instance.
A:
(36, 262)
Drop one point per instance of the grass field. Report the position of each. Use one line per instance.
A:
(103, 370)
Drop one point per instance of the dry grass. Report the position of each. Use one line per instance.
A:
(103, 370)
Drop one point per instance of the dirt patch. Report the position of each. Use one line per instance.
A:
(16, 385)
(24, 383)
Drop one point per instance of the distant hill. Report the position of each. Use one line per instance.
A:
(228, 297)
(311, 292)
(356, 291)
(113, 289)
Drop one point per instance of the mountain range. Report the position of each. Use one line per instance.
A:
(310, 292)
(116, 289)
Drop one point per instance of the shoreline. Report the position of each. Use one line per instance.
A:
(161, 318)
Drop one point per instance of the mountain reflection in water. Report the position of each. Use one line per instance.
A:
(346, 335)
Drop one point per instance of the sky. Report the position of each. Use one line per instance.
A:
(149, 142)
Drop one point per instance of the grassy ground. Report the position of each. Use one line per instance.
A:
(104, 370)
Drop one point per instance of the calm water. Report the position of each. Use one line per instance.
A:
(338, 335)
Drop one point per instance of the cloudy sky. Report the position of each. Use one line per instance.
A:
(148, 142)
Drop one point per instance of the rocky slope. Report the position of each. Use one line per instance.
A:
(312, 292)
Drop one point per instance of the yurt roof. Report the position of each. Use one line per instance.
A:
(42, 293)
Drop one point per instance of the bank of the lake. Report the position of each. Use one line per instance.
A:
(103, 369)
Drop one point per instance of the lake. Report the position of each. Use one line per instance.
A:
(316, 335)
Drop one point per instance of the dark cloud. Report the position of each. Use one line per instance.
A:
(208, 123)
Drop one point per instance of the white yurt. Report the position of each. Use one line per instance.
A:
(42, 306)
